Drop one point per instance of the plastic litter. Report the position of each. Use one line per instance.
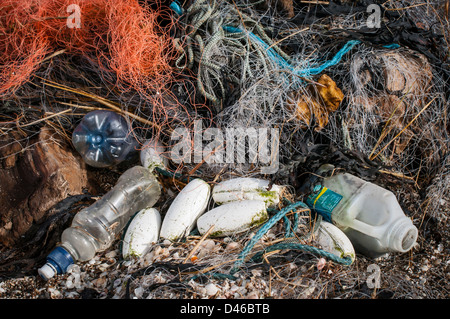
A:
(368, 214)
(103, 139)
(233, 218)
(247, 188)
(94, 228)
(151, 155)
(185, 209)
(141, 233)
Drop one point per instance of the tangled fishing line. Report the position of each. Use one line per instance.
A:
(242, 64)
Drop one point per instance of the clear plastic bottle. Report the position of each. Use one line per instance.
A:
(103, 139)
(368, 214)
(94, 228)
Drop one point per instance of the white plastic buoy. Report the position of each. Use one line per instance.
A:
(334, 241)
(182, 214)
(232, 218)
(247, 188)
(141, 233)
(152, 155)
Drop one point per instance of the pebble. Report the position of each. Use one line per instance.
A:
(206, 248)
(211, 289)
(138, 292)
(232, 246)
(253, 295)
(111, 254)
(117, 282)
(321, 263)
(69, 284)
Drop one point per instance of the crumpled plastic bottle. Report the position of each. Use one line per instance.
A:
(94, 228)
(103, 139)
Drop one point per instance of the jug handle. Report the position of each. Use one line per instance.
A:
(373, 231)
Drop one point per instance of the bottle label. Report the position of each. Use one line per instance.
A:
(323, 201)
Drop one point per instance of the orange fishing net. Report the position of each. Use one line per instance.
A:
(120, 36)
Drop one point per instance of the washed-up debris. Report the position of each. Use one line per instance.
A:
(141, 233)
(233, 218)
(391, 99)
(325, 98)
(152, 155)
(135, 51)
(333, 240)
(246, 188)
(34, 179)
(185, 209)
(371, 100)
(368, 214)
(103, 139)
(94, 229)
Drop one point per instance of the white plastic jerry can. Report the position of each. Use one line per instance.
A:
(368, 214)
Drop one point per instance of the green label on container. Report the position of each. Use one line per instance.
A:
(323, 201)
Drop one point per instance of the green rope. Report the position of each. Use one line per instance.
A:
(264, 229)
(291, 244)
(169, 174)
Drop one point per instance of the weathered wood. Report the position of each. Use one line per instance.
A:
(35, 178)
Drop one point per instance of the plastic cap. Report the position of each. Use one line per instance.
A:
(58, 261)
(47, 271)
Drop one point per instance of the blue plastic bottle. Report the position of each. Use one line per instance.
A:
(103, 139)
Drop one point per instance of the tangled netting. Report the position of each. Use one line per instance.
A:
(121, 38)
(247, 77)
(134, 48)
(323, 75)
(396, 110)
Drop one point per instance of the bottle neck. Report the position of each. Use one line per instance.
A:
(402, 235)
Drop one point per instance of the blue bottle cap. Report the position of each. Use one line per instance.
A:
(58, 261)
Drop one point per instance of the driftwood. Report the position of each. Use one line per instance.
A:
(33, 179)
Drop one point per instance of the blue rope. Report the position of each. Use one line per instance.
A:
(285, 65)
(308, 71)
(335, 60)
(175, 6)
(271, 52)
